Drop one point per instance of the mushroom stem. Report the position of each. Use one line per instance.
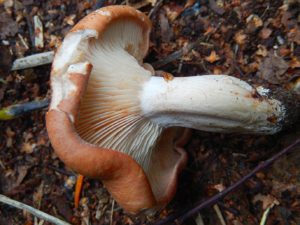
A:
(216, 103)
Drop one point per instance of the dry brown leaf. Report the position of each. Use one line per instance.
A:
(265, 33)
(6, 59)
(219, 187)
(166, 31)
(140, 4)
(262, 51)
(213, 57)
(295, 62)
(273, 69)
(70, 19)
(253, 22)
(240, 37)
(189, 3)
(8, 27)
(217, 70)
(217, 6)
(294, 35)
(284, 51)
(38, 195)
(27, 148)
(10, 134)
(267, 200)
(22, 172)
(173, 11)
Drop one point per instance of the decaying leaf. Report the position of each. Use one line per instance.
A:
(265, 33)
(27, 148)
(267, 200)
(213, 57)
(217, 6)
(8, 27)
(140, 4)
(273, 69)
(5, 60)
(253, 22)
(38, 32)
(261, 51)
(173, 11)
(295, 62)
(240, 37)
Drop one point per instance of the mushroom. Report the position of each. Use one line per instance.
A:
(111, 119)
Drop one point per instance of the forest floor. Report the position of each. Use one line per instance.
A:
(256, 41)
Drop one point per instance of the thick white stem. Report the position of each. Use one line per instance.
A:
(216, 103)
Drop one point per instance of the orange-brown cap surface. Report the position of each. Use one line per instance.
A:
(96, 77)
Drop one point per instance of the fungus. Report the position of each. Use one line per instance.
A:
(111, 119)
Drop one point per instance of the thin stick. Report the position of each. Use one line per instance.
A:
(155, 8)
(112, 212)
(78, 189)
(32, 210)
(199, 220)
(33, 60)
(265, 216)
(186, 49)
(211, 201)
(219, 214)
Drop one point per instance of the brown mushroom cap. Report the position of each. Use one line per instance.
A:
(94, 122)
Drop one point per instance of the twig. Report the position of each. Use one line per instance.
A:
(179, 53)
(33, 60)
(155, 8)
(265, 216)
(78, 189)
(211, 201)
(175, 55)
(32, 210)
(64, 172)
(112, 212)
(199, 220)
(13, 111)
(219, 214)
(30, 26)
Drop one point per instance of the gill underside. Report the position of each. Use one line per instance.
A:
(110, 114)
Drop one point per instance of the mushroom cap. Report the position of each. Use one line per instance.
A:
(109, 147)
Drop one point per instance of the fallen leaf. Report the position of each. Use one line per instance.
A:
(166, 32)
(219, 187)
(273, 69)
(173, 11)
(8, 27)
(265, 33)
(22, 172)
(70, 19)
(262, 51)
(27, 148)
(10, 134)
(38, 195)
(267, 200)
(284, 51)
(294, 35)
(213, 57)
(295, 62)
(253, 22)
(217, 6)
(189, 3)
(61, 203)
(140, 4)
(6, 60)
(240, 37)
